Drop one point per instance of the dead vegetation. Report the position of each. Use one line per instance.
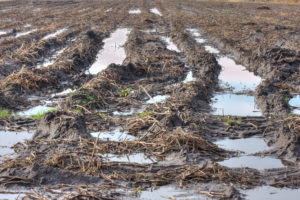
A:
(63, 160)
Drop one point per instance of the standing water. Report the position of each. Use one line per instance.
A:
(113, 51)
(295, 103)
(155, 11)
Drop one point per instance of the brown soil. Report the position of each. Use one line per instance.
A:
(64, 160)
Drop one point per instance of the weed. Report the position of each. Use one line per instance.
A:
(230, 121)
(101, 115)
(145, 113)
(40, 115)
(286, 98)
(4, 114)
(126, 92)
(139, 192)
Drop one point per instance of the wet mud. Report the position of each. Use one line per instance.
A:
(137, 99)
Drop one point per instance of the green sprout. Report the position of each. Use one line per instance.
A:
(40, 115)
(101, 115)
(230, 121)
(126, 92)
(4, 114)
(145, 113)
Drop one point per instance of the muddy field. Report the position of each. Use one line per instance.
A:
(140, 99)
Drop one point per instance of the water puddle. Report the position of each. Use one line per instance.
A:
(135, 11)
(211, 49)
(170, 192)
(35, 110)
(254, 162)
(236, 105)
(65, 92)
(8, 139)
(194, 32)
(158, 99)
(295, 103)
(51, 60)
(236, 76)
(37, 9)
(117, 135)
(156, 11)
(130, 112)
(25, 33)
(189, 77)
(267, 192)
(170, 45)
(108, 10)
(11, 196)
(138, 158)
(55, 34)
(27, 25)
(3, 33)
(113, 51)
(246, 145)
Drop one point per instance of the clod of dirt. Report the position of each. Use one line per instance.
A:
(287, 139)
(263, 8)
(61, 125)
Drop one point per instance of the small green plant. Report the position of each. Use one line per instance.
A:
(40, 115)
(139, 192)
(230, 121)
(225, 12)
(145, 113)
(78, 110)
(4, 114)
(126, 92)
(101, 115)
(286, 98)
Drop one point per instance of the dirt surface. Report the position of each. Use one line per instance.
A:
(178, 135)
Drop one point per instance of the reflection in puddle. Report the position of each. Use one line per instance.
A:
(170, 45)
(236, 105)
(158, 99)
(116, 135)
(51, 60)
(134, 11)
(8, 139)
(11, 196)
(55, 34)
(211, 49)
(25, 33)
(237, 76)
(267, 192)
(255, 162)
(155, 11)
(170, 192)
(139, 158)
(35, 110)
(189, 77)
(295, 102)
(247, 145)
(113, 51)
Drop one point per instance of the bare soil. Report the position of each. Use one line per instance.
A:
(63, 160)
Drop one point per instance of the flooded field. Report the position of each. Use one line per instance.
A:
(149, 100)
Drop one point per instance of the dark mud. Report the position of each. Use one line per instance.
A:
(146, 97)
